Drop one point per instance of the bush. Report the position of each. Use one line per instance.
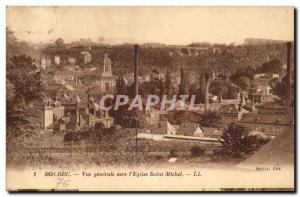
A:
(158, 157)
(235, 141)
(174, 153)
(197, 151)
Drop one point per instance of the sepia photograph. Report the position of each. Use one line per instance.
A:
(150, 98)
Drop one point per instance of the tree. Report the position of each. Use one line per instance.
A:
(244, 82)
(197, 151)
(223, 88)
(60, 42)
(235, 141)
(218, 88)
(231, 93)
(121, 86)
(11, 44)
(23, 73)
(210, 119)
(23, 87)
(14, 47)
(155, 75)
(273, 66)
(150, 87)
(161, 86)
(101, 39)
(195, 89)
(243, 71)
(279, 88)
(168, 83)
(184, 83)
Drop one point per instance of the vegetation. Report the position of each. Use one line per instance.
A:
(223, 89)
(273, 66)
(210, 119)
(279, 87)
(23, 90)
(197, 151)
(121, 85)
(168, 83)
(174, 152)
(112, 146)
(237, 142)
(184, 83)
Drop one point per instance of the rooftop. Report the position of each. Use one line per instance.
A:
(273, 119)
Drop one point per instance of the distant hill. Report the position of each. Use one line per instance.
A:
(197, 58)
(261, 41)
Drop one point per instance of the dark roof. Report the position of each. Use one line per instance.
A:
(272, 105)
(230, 108)
(255, 118)
(211, 131)
(64, 72)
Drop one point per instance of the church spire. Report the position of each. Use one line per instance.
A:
(106, 64)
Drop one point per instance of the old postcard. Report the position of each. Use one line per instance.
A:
(150, 98)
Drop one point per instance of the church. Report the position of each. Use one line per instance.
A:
(102, 78)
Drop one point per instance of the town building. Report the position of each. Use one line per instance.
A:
(269, 124)
(57, 60)
(64, 76)
(51, 111)
(278, 107)
(102, 77)
(45, 62)
(87, 57)
(260, 97)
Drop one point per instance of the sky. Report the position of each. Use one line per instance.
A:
(169, 25)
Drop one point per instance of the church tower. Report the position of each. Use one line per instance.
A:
(107, 81)
(106, 69)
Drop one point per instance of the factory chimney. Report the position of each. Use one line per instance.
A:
(206, 78)
(136, 90)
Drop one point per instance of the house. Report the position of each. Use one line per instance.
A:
(45, 62)
(269, 124)
(54, 90)
(263, 79)
(97, 115)
(229, 113)
(153, 116)
(57, 59)
(87, 57)
(171, 130)
(71, 60)
(51, 111)
(64, 76)
(164, 127)
(102, 77)
(261, 97)
(129, 78)
(198, 132)
(272, 108)
(187, 128)
(260, 89)
(211, 132)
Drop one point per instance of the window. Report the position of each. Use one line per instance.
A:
(106, 86)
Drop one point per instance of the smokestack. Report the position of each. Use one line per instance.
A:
(136, 90)
(288, 92)
(206, 78)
